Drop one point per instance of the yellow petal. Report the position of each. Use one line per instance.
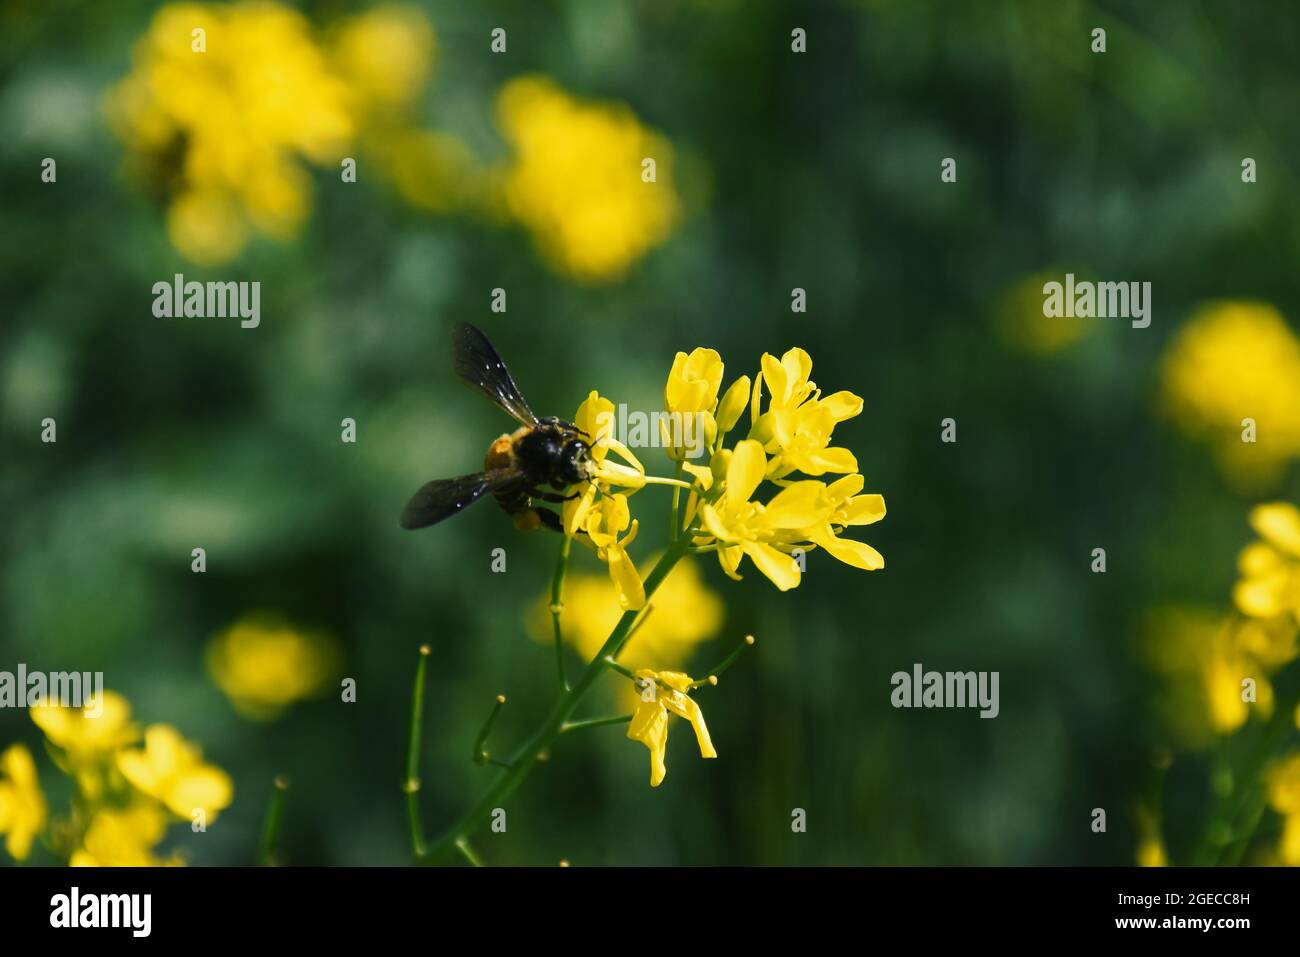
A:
(684, 705)
(1278, 523)
(622, 571)
(649, 725)
(733, 403)
(207, 788)
(828, 460)
(745, 471)
(776, 565)
(858, 554)
(864, 510)
(1262, 597)
(842, 405)
(797, 506)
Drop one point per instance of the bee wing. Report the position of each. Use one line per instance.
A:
(443, 498)
(479, 365)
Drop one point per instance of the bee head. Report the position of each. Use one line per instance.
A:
(575, 463)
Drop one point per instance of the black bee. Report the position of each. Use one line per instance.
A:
(519, 464)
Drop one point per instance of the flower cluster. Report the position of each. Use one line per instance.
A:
(227, 106)
(574, 179)
(789, 443)
(130, 784)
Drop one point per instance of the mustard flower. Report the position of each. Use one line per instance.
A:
(574, 179)
(1270, 567)
(263, 665)
(662, 692)
(22, 804)
(796, 428)
(802, 515)
(691, 393)
(1284, 796)
(603, 525)
(172, 770)
(123, 837)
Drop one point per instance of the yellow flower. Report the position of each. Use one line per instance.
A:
(264, 665)
(692, 614)
(1234, 361)
(595, 418)
(796, 428)
(1022, 325)
(1284, 796)
(1270, 568)
(22, 805)
(90, 734)
(574, 179)
(172, 770)
(603, 525)
(650, 720)
(386, 54)
(801, 515)
(1208, 656)
(123, 837)
(690, 393)
(223, 132)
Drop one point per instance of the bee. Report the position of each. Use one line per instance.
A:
(520, 465)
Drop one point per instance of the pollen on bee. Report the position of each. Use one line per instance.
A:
(527, 521)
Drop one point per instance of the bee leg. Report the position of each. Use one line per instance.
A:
(554, 497)
(549, 519)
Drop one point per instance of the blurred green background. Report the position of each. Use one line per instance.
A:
(817, 170)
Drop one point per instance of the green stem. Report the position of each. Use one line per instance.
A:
(542, 738)
(481, 755)
(271, 826)
(594, 723)
(1217, 839)
(467, 852)
(674, 529)
(557, 606)
(412, 783)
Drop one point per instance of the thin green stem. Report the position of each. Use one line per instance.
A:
(539, 743)
(594, 723)
(557, 606)
(674, 527)
(711, 677)
(412, 783)
(467, 852)
(271, 825)
(481, 755)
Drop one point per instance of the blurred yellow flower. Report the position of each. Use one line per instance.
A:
(172, 770)
(1270, 567)
(386, 54)
(796, 428)
(1020, 319)
(574, 179)
(89, 734)
(263, 665)
(1208, 657)
(223, 130)
(22, 805)
(1234, 361)
(650, 720)
(693, 614)
(1284, 796)
(123, 837)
